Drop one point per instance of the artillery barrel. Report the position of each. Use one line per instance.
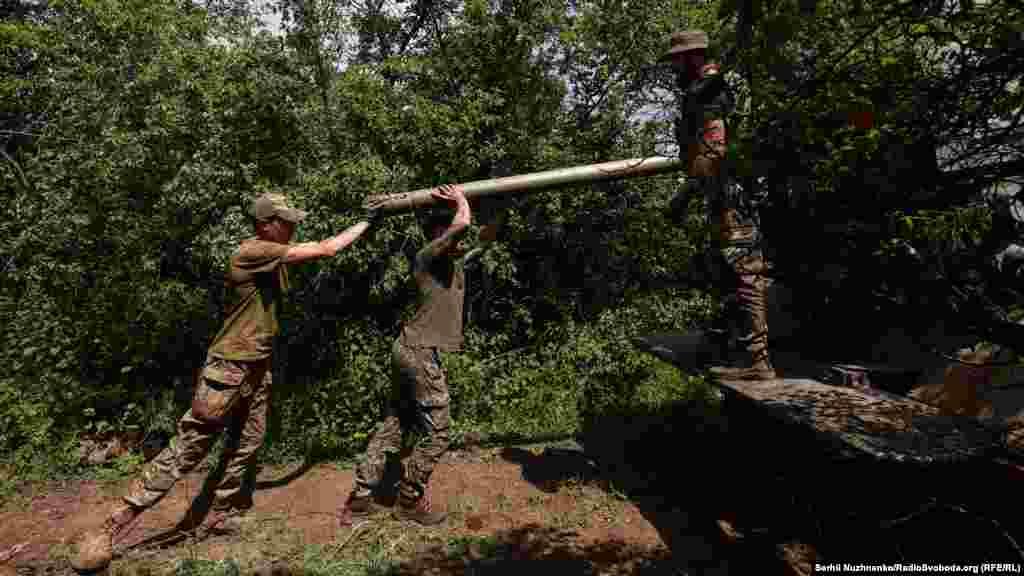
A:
(533, 182)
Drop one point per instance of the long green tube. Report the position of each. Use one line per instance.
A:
(533, 182)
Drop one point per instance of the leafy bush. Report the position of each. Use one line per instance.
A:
(134, 134)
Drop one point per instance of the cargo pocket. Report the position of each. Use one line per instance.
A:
(220, 387)
(431, 384)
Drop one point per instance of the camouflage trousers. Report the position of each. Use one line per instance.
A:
(229, 394)
(742, 283)
(419, 402)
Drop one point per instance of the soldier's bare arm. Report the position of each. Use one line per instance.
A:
(463, 217)
(325, 248)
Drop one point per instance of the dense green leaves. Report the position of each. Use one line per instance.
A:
(134, 133)
(934, 83)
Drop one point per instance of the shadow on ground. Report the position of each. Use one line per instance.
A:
(532, 549)
(686, 467)
(288, 478)
(675, 466)
(200, 505)
(535, 550)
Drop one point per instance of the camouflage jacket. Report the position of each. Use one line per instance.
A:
(707, 98)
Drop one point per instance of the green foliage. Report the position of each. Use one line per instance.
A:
(319, 560)
(134, 133)
(571, 374)
(192, 567)
(902, 206)
(486, 546)
(120, 468)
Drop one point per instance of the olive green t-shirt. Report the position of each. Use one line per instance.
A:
(259, 280)
(442, 288)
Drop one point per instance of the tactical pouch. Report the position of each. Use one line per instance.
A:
(431, 386)
(219, 389)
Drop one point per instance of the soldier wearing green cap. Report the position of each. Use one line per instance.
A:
(733, 213)
(234, 384)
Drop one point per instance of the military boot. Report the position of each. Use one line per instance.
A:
(761, 370)
(95, 548)
(751, 297)
(418, 509)
(223, 521)
(358, 507)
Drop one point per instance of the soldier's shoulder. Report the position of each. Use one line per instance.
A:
(248, 243)
(255, 244)
(256, 250)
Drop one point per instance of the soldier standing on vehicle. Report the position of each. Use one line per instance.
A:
(419, 398)
(234, 384)
(733, 215)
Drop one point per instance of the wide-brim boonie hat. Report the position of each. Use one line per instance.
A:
(684, 42)
(275, 205)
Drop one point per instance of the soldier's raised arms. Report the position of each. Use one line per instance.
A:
(419, 397)
(331, 246)
(325, 248)
(444, 243)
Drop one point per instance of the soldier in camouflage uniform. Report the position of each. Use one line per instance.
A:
(732, 211)
(419, 399)
(233, 390)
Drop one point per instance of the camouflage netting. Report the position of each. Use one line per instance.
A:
(855, 421)
(877, 424)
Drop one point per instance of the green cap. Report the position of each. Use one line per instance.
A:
(270, 205)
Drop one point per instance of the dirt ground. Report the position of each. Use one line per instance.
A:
(495, 499)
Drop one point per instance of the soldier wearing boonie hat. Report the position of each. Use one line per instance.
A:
(269, 206)
(685, 41)
(234, 384)
(700, 133)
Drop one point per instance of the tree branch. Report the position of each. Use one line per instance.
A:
(20, 173)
